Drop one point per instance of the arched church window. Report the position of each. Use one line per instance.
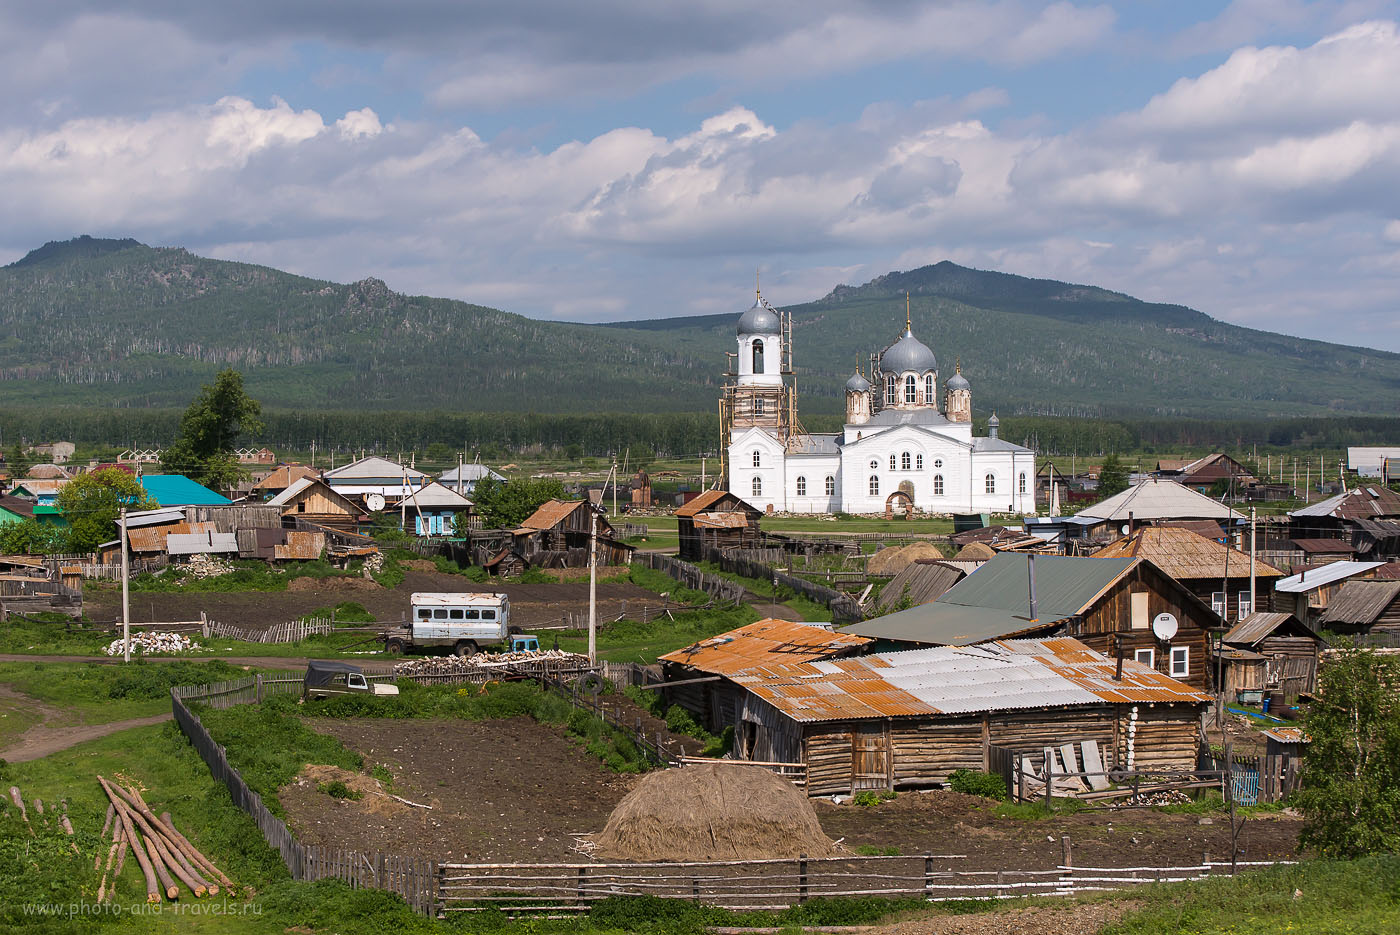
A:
(911, 391)
(1023, 482)
(757, 459)
(930, 391)
(874, 485)
(891, 391)
(892, 461)
(905, 461)
(758, 486)
(918, 462)
(831, 485)
(938, 485)
(757, 356)
(801, 486)
(991, 483)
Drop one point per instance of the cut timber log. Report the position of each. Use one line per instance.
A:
(193, 852)
(167, 883)
(118, 841)
(124, 845)
(128, 818)
(19, 802)
(174, 864)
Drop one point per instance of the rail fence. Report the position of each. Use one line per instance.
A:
(293, 631)
(717, 587)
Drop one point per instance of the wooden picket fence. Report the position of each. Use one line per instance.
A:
(293, 631)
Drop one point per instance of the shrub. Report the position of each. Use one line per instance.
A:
(973, 782)
(871, 798)
(337, 789)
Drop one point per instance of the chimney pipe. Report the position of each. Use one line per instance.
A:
(1030, 568)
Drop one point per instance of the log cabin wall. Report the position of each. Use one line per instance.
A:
(1166, 736)
(1114, 613)
(1292, 663)
(827, 753)
(1030, 731)
(762, 732)
(714, 705)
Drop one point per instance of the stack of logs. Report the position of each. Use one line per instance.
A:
(162, 851)
(62, 813)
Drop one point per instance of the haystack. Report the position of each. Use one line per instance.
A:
(880, 562)
(975, 552)
(713, 812)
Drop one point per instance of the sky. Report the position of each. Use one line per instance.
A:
(626, 159)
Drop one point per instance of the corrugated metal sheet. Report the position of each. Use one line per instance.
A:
(1064, 586)
(721, 521)
(1371, 501)
(200, 543)
(302, 546)
(940, 624)
(764, 643)
(1328, 574)
(1359, 603)
(1001, 676)
(1323, 545)
(1185, 555)
(1257, 626)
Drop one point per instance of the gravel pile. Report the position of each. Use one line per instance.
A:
(153, 643)
(205, 566)
(446, 665)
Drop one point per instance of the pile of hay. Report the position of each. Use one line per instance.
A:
(713, 812)
(880, 562)
(975, 552)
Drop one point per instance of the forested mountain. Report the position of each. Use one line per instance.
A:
(117, 323)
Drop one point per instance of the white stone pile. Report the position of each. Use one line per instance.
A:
(205, 566)
(153, 643)
(447, 665)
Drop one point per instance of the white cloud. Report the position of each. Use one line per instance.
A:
(358, 124)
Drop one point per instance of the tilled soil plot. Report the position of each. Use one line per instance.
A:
(952, 823)
(531, 605)
(502, 791)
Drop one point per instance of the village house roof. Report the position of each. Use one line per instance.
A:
(469, 473)
(373, 468)
(709, 498)
(179, 490)
(285, 476)
(1315, 578)
(1369, 501)
(1159, 499)
(1360, 602)
(1001, 676)
(47, 472)
(17, 506)
(300, 485)
(1259, 625)
(767, 642)
(553, 512)
(1322, 546)
(438, 497)
(924, 580)
(1185, 555)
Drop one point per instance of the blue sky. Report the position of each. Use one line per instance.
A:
(622, 159)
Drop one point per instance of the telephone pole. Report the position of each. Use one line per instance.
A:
(126, 595)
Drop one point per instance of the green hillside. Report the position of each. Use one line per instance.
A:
(116, 323)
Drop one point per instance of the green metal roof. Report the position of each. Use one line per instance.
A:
(935, 624)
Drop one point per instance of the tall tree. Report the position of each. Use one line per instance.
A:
(90, 503)
(508, 504)
(1350, 795)
(211, 426)
(1113, 476)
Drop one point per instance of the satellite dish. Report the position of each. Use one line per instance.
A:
(1164, 627)
(374, 501)
(1125, 530)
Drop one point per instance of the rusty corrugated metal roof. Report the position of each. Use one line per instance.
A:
(721, 521)
(1000, 676)
(764, 643)
(551, 514)
(303, 546)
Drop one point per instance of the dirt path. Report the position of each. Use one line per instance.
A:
(41, 739)
(255, 662)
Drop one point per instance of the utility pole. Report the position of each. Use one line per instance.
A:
(126, 595)
(593, 586)
(613, 474)
(1252, 608)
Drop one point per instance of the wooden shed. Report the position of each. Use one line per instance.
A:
(315, 501)
(1288, 652)
(909, 719)
(1368, 610)
(717, 519)
(1203, 565)
(558, 535)
(698, 676)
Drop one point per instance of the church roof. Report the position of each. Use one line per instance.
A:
(909, 417)
(908, 353)
(761, 318)
(857, 384)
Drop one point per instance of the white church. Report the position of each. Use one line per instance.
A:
(899, 449)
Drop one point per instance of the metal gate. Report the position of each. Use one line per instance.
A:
(870, 758)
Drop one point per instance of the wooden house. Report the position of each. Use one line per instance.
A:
(1203, 474)
(375, 479)
(15, 510)
(1376, 539)
(1287, 654)
(1367, 610)
(1323, 551)
(908, 719)
(1307, 594)
(432, 510)
(557, 535)
(1158, 501)
(1107, 603)
(282, 478)
(313, 500)
(717, 519)
(698, 677)
(507, 563)
(1212, 571)
(1338, 517)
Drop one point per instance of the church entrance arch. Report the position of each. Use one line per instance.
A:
(901, 501)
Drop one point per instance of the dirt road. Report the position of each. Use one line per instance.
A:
(45, 738)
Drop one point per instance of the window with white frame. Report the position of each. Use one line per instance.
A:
(1244, 605)
(906, 461)
(757, 459)
(930, 391)
(911, 389)
(758, 486)
(991, 483)
(1181, 662)
(831, 485)
(758, 408)
(892, 467)
(891, 390)
(1023, 482)
(1147, 657)
(1217, 603)
(874, 485)
(918, 462)
(938, 485)
(801, 486)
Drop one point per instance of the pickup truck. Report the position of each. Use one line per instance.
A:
(463, 622)
(325, 679)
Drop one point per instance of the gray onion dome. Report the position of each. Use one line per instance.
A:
(958, 382)
(906, 354)
(857, 384)
(760, 319)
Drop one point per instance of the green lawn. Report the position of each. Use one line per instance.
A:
(630, 641)
(100, 694)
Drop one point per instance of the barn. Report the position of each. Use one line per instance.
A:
(314, 501)
(1287, 653)
(908, 719)
(717, 519)
(1367, 610)
(557, 535)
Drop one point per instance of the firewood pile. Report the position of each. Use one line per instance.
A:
(1157, 797)
(153, 642)
(166, 856)
(450, 665)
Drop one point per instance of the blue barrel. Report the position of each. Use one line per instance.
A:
(1265, 704)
